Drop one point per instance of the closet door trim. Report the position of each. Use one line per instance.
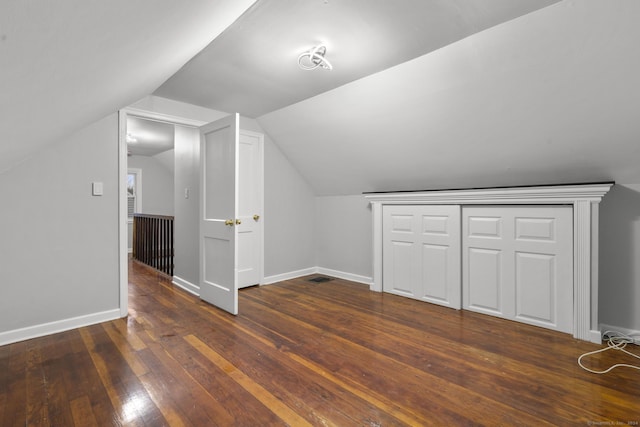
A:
(585, 199)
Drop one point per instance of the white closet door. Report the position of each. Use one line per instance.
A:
(518, 263)
(421, 253)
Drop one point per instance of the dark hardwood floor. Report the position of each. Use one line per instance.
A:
(302, 353)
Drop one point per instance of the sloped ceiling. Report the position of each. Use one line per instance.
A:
(252, 67)
(550, 97)
(65, 64)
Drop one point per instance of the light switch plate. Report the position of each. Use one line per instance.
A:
(97, 188)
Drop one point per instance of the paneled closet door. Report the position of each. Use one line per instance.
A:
(518, 263)
(421, 252)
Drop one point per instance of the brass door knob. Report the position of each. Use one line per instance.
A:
(256, 217)
(229, 222)
(238, 222)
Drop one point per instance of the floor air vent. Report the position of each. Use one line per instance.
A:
(320, 279)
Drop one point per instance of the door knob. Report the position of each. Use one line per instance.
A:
(256, 217)
(238, 222)
(229, 222)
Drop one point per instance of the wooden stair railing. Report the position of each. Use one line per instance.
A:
(153, 241)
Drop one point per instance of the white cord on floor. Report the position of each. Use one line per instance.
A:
(615, 341)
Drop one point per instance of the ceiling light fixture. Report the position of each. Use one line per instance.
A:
(314, 58)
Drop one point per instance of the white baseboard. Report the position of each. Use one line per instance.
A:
(346, 276)
(186, 285)
(291, 275)
(595, 337)
(630, 332)
(36, 331)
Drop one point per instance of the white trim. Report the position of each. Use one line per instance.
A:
(123, 225)
(595, 336)
(138, 173)
(554, 194)
(376, 214)
(584, 198)
(595, 268)
(41, 330)
(137, 200)
(346, 276)
(582, 279)
(290, 275)
(186, 285)
(161, 117)
(630, 332)
(318, 270)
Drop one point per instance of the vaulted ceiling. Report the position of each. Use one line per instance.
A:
(252, 68)
(423, 94)
(430, 94)
(66, 64)
(551, 97)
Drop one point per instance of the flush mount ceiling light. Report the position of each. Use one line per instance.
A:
(314, 58)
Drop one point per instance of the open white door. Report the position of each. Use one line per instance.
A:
(219, 156)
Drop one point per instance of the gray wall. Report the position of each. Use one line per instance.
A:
(157, 185)
(289, 212)
(619, 301)
(59, 244)
(344, 234)
(187, 155)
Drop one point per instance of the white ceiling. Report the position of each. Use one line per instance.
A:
(484, 93)
(148, 137)
(251, 68)
(551, 97)
(65, 64)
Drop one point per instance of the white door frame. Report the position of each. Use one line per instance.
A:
(122, 190)
(138, 201)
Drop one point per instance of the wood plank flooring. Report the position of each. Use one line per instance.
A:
(303, 353)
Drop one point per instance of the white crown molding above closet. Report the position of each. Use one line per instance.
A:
(585, 200)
